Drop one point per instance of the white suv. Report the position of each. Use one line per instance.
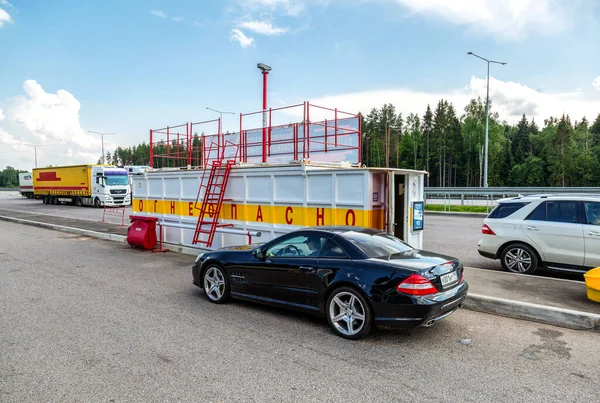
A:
(561, 232)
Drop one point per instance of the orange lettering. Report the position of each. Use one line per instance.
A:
(289, 219)
(155, 202)
(321, 216)
(234, 211)
(259, 216)
(191, 208)
(172, 207)
(141, 205)
(350, 213)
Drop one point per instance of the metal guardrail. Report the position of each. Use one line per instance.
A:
(509, 191)
(489, 196)
(9, 189)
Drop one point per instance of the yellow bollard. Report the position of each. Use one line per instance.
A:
(592, 284)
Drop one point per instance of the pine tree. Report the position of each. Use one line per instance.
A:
(520, 141)
(427, 128)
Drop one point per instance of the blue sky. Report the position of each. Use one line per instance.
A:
(67, 67)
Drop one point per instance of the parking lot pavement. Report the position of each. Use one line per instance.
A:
(12, 201)
(91, 320)
(448, 234)
(458, 236)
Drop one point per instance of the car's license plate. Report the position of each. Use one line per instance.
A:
(449, 278)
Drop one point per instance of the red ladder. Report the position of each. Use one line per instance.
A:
(214, 192)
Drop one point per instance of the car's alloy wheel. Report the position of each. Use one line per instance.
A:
(519, 259)
(348, 313)
(215, 283)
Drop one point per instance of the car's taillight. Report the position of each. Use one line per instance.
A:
(462, 276)
(487, 230)
(416, 284)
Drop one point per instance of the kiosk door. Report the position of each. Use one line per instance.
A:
(397, 205)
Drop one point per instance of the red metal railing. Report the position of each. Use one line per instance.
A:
(169, 146)
(290, 135)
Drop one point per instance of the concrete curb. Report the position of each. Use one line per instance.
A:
(518, 310)
(70, 230)
(100, 235)
(538, 313)
(456, 214)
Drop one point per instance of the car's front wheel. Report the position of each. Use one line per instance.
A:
(216, 285)
(349, 313)
(519, 258)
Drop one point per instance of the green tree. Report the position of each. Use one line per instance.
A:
(427, 128)
(520, 141)
(560, 161)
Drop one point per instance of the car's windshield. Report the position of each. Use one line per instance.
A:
(116, 180)
(379, 245)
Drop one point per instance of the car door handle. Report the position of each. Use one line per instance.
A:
(529, 227)
(594, 233)
(306, 268)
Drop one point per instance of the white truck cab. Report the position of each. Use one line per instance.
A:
(110, 185)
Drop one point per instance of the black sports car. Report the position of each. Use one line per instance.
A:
(355, 277)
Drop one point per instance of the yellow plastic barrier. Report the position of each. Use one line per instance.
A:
(592, 284)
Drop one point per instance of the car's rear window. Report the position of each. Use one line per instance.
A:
(504, 210)
(380, 245)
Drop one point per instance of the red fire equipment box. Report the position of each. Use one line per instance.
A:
(142, 232)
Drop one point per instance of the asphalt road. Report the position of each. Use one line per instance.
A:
(90, 320)
(12, 200)
(451, 235)
(455, 236)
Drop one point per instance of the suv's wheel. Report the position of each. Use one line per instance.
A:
(519, 258)
(216, 285)
(348, 313)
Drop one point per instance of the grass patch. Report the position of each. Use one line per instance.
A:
(456, 209)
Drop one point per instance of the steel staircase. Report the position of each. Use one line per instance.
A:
(214, 185)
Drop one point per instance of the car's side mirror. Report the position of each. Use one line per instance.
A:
(258, 253)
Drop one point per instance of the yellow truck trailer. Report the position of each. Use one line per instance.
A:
(82, 185)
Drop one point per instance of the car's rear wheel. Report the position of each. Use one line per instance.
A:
(519, 258)
(349, 313)
(216, 285)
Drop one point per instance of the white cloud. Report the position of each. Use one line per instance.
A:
(50, 120)
(163, 15)
(241, 38)
(596, 83)
(2, 117)
(291, 8)
(158, 13)
(263, 27)
(7, 139)
(4, 17)
(511, 100)
(506, 19)
(53, 117)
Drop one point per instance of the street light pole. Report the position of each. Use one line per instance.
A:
(102, 140)
(265, 72)
(487, 108)
(221, 114)
(35, 146)
(220, 123)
